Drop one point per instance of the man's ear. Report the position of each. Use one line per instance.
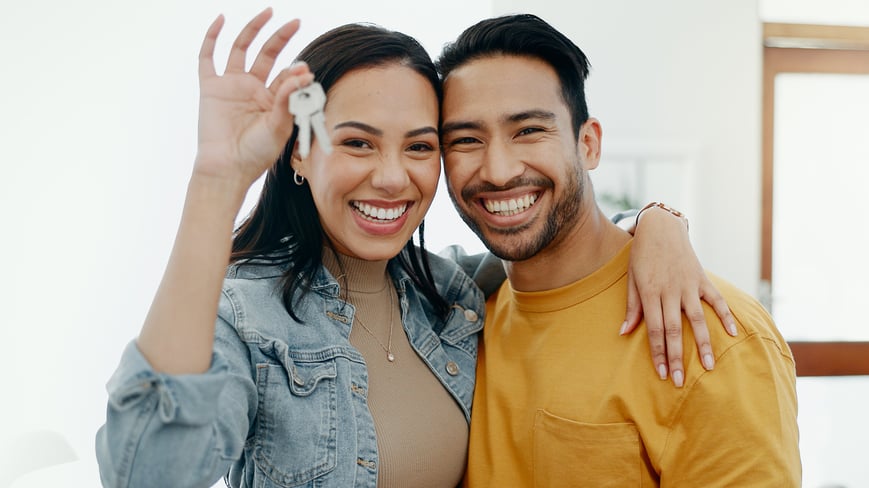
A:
(588, 143)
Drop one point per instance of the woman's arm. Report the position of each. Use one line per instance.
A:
(243, 126)
(665, 279)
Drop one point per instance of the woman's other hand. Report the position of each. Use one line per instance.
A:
(665, 278)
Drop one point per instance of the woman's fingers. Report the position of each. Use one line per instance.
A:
(672, 310)
(265, 60)
(280, 115)
(238, 53)
(299, 70)
(655, 331)
(712, 296)
(697, 318)
(634, 311)
(206, 52)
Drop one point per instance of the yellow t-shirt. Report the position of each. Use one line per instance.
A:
(563, 401)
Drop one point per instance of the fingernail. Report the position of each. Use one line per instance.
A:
(731, 328)
(624, 328)
(677, 378)
(708, 361)
(662, 371)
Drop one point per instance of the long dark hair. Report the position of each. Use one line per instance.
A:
(285, 216)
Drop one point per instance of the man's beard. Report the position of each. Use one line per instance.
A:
(563, 216)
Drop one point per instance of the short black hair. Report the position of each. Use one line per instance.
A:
(529, 36)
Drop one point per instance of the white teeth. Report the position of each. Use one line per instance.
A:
(380, 213)
(512, 206)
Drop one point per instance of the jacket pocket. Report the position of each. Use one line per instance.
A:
(295, 428)
(567, 453)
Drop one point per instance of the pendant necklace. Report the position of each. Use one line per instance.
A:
(388, 347)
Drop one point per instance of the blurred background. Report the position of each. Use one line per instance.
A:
(98, 108)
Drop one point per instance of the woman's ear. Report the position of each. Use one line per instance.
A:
(296, 161)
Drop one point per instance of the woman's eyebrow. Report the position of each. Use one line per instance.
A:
(361, 126)
(377, 132)
(421, 131)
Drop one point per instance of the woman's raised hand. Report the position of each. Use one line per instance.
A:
(244, 122)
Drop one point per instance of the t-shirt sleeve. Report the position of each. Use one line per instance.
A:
(737, 426)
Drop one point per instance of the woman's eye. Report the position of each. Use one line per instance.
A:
(356, 143)
(420, 147)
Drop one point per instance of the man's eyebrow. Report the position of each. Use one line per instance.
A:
(530, 114)
(460, 125)
(511, 118)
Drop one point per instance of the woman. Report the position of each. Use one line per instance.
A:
(256, 374)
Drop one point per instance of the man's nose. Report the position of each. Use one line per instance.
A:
(500, 165)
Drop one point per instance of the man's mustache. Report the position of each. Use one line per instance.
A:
(470, 191)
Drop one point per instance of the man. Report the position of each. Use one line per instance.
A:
(560, 400)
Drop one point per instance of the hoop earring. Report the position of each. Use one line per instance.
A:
(298, 179)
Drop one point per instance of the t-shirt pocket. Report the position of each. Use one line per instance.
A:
(568, 453)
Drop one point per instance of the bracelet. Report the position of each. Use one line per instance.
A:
(664, 207)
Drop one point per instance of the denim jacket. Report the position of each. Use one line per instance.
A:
(283, 403)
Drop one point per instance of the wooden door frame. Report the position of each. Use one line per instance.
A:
(799, 48)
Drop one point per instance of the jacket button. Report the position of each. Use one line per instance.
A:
(471, 316)
(452, 368)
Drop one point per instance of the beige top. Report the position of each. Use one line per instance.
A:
(422, 435)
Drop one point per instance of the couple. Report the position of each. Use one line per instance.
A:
(335, 352)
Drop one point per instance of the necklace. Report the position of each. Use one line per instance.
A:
(388, 347)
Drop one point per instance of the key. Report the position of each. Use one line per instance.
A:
(318, 124)
(306, 105)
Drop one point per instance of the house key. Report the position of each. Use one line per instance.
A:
(306, 105)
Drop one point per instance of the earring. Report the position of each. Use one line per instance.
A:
(298, 179)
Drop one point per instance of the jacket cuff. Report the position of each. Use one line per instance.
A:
(184, 399)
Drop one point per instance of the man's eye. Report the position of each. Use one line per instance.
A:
(529, 130)
(462, 140)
